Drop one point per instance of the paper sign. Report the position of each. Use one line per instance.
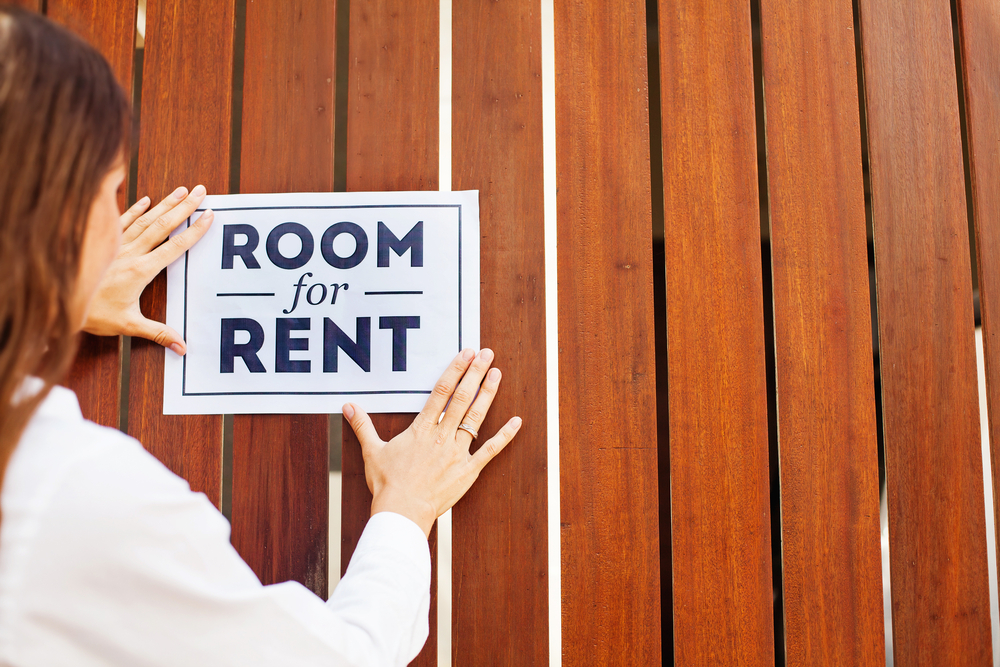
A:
(298, 303)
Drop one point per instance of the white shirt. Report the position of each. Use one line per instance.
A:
(108, 558)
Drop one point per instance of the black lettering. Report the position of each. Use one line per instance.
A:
(399, 325)
(230, 250)
(413, 241)
(229, 349)
(298, 288)
(321, 299)
(336, 288)
(284, 344)
(280, 260)
(335, 260)
(359, 349)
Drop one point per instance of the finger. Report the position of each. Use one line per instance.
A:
(153, 214)
(179, 244)
(159, 333)
(477, 411)
(159, 229)
(136, 210)
(444, 388)
(467, 389)
(495, 445)
(363, 427)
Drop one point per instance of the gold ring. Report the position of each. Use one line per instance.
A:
(471, 431)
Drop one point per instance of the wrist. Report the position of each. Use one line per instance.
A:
(417, 511)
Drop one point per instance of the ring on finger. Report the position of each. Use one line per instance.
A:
(468, 429)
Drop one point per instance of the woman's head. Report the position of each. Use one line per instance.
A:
(64, 125)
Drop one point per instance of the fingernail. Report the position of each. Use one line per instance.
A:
(349, 411)
(486, 354)
(516, 423)
(495, 375)
(177, 349)
(208, 215)
(198, 191)
(180, 192)
(143, 202)
(468, 353)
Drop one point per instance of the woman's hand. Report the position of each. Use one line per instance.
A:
(427, 468)
(114, 310)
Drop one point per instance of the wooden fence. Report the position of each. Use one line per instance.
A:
(612, 532)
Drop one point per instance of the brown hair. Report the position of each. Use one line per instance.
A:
(64, 123)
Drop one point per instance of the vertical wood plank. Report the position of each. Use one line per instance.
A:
(281, 497)
(96, 378)
(715, 333)
(823, 341)
(937, 538)
(500, 533)
(607, 364)
(979, 29)
(184, 139)
(96, 372)
(392, 144)
(280, 510)
(33, 5)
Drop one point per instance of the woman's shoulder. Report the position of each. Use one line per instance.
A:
(74, 479)
(59, 446)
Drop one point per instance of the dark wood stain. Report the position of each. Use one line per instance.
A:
(281, 497)
(500, 554)
(392, 144)
(186, 100)
(722, 604)
(280, 511)
(33, 5)
(607, 367)
(937, 532)
(979, 29)
(96, 373)
(823, 337)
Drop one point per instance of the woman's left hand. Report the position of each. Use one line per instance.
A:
(114, 310)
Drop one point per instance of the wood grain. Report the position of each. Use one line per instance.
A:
(33, 5)
(607, 364)
(718, 413)
(937, 533)
(96, 373)
(184, 140)
(823, 341)
(96, 378)
(979, 30)
(500, 542)
(280, 511)
(392, 144)
(281, 487)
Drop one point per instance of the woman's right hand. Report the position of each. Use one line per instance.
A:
(114, 310)
(427, 468)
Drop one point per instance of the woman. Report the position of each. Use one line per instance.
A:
(105, 556)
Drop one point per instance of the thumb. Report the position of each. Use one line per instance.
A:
(363, 427)
(159, 333)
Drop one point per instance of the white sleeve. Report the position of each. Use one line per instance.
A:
(130, 567)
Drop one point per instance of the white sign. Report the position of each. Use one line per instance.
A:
(298, 303)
